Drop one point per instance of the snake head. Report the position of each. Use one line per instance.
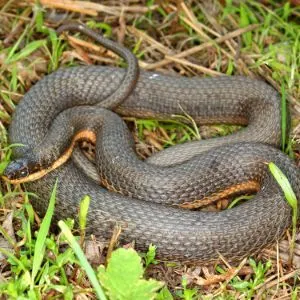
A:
(19, 169)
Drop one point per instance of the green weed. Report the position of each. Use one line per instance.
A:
(187, 293)
(247, 287)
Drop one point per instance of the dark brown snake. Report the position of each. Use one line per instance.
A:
(71, 101)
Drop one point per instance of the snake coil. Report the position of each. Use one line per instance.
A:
(71, 100)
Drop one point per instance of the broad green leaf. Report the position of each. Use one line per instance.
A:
(123, 277)
(164, 294)
(145, 289)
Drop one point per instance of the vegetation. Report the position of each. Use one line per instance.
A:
(255, 38)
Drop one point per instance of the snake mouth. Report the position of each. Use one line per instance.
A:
(20, 169)
(23, 170)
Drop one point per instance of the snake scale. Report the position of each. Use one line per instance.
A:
(75, 99)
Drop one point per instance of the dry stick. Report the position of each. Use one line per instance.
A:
(213, 279)
(150, 40)
(6, 14)
(198, 67)
(199, 31)
(197, 26)
(102, 59)
(122, 29)
(91, 8)
(7, 5)
(73, 54)
(282, 272)
(82, 53)
(278, 265)
(189, 13)
(99, 49)
(204, 46)
(154, 44)
(115, 236)
(164, 133)
(91, 46)
(231, 44)
(266, 285)
(17, 27)
(284, 256)
(232, 275)
(154, 142)
(67, 5)
(11, 93)
(116, 10)
(278, 272)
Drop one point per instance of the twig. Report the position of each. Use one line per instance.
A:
(75, 6)
(204, 46)
(18, 27)
(90, 46)
(115, 236)
(150, 40)
(265, 286)
(14, 16)
(92, 9)
(195, 23)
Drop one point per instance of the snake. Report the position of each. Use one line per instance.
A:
(155, 201)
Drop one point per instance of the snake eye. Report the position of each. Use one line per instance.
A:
(17, 169)
(23, 173)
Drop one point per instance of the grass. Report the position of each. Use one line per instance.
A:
(186, 39)
(290, 198)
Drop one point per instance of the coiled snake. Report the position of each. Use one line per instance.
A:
(73, 101)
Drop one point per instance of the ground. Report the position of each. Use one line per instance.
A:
(191, 38)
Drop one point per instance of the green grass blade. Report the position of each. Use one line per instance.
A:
(28, 49)
(82, 259)
(290, 197)
(39, 248)
(285, 185)
(15, 46)
(39, 19)
(244, 22)
(83, 211)
(238, 199)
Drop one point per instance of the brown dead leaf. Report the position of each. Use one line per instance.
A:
(93, 252)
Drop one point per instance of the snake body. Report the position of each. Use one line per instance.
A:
(188, 172)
